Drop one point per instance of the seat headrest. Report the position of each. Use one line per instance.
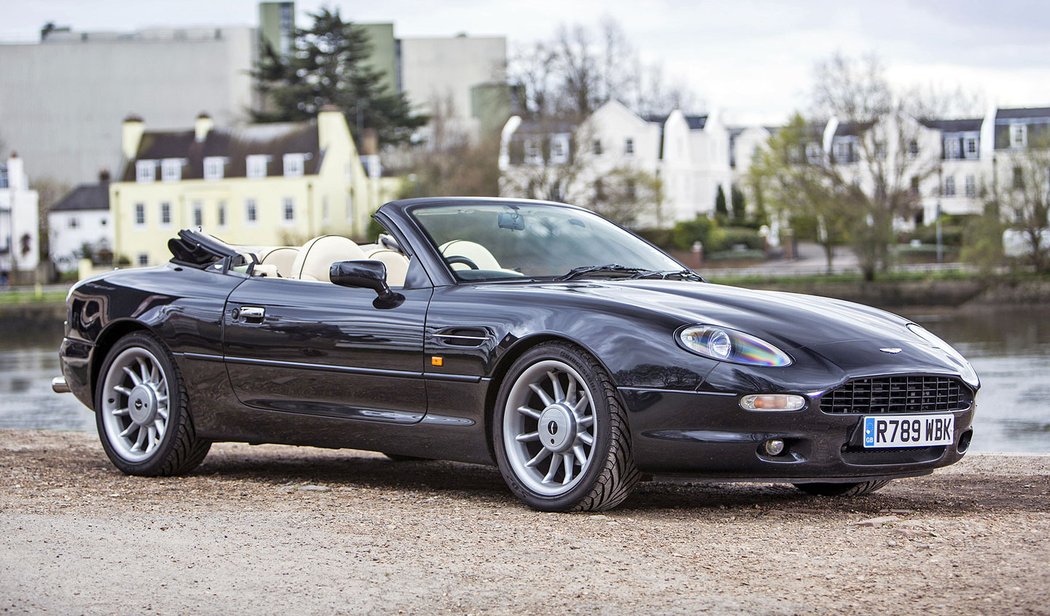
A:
(315, 258)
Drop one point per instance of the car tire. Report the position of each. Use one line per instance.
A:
(142, 410)
(842, 489)
(558, 411)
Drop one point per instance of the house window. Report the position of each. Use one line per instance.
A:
(140, 214)
(914, 188)
(257, 166)
(1018, 178)
(250, 213)
(971, 186)
(198, 214)
(145, 171)
(214, 167)
(880, 150)
(812, 153)
(143, 259)
(293, 165)
(171, 169)
(844, 152)
(221, 213)
(952, 149)
(628, 146)
(913, 148)
(1018, 135)
(73, 222)
(533, 152)
(596, 147)
(949, 186)
(165, 213)
(103, 222)
(289, 209)
(560, 149)
(971, 147)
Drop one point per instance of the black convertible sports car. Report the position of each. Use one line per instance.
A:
(536, 336)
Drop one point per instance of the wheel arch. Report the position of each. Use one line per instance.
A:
(105, 341)
(505, 361)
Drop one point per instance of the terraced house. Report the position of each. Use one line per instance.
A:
(264, 183)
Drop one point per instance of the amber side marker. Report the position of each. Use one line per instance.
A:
(437, 361)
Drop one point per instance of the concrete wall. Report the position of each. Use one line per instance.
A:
(62, 102)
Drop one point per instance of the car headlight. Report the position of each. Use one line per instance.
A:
(726, 344)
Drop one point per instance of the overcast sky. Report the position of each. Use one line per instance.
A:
(752, 59)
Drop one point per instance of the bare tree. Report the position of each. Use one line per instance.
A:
(878, 158)
(1023, 200)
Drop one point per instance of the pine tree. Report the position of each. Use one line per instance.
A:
(328, 66)
(721, 212)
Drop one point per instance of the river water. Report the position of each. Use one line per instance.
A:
(1010, 349)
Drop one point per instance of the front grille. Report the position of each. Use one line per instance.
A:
(898, 394)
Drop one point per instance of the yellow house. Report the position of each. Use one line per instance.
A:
(263, 184)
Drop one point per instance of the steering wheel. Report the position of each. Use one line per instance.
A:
(454, 259)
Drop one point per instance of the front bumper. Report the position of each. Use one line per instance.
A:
(708, 435)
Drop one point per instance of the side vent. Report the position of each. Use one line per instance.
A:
(463, 336)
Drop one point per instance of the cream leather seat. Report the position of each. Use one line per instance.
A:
(316, 257)
(471, 250)
(396, 265)
(282, 257)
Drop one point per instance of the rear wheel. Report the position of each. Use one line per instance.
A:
(842, 489)
(142, 410)
(560, 433)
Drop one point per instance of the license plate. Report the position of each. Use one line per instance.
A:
(908, 430)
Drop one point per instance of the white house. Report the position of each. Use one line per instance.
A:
(690, 154)
(19, 220)
(80, 220)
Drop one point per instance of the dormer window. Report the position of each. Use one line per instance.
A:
(1018, 135)
(145, 171)
(560, 149)
(214, 167)
(533, 152)
(257, 165)
(293, 165)
(171, 169)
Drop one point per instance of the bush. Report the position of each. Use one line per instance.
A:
(740, 236)
(664, 238)
(700, 229)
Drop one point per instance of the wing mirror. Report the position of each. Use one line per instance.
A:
(369, 275)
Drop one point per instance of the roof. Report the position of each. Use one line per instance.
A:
(695, 122)
(963, 125)
(273, 140)
(852, 129)
(1026, 113)
(84, 197)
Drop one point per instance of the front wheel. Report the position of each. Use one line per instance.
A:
(560, 433)
(142, 410)
(842, 489)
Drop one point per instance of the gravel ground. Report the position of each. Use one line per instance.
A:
(273, 529)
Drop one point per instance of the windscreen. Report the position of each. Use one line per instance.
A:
(500, 241)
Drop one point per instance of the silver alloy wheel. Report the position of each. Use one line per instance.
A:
(135, 404)
(549, 427)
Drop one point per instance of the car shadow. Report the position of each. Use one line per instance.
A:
(942, 495)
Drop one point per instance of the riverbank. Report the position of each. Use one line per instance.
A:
(274, 529)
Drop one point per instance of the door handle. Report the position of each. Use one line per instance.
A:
(252, 313)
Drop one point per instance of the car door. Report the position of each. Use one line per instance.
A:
(317, 348)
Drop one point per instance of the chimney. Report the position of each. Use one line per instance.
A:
(16, 176)
(330, 122)
(131, 136)
(202, 127)
(103, 176)
(369, 142)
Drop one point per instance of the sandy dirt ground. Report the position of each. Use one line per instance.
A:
(289, 530)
